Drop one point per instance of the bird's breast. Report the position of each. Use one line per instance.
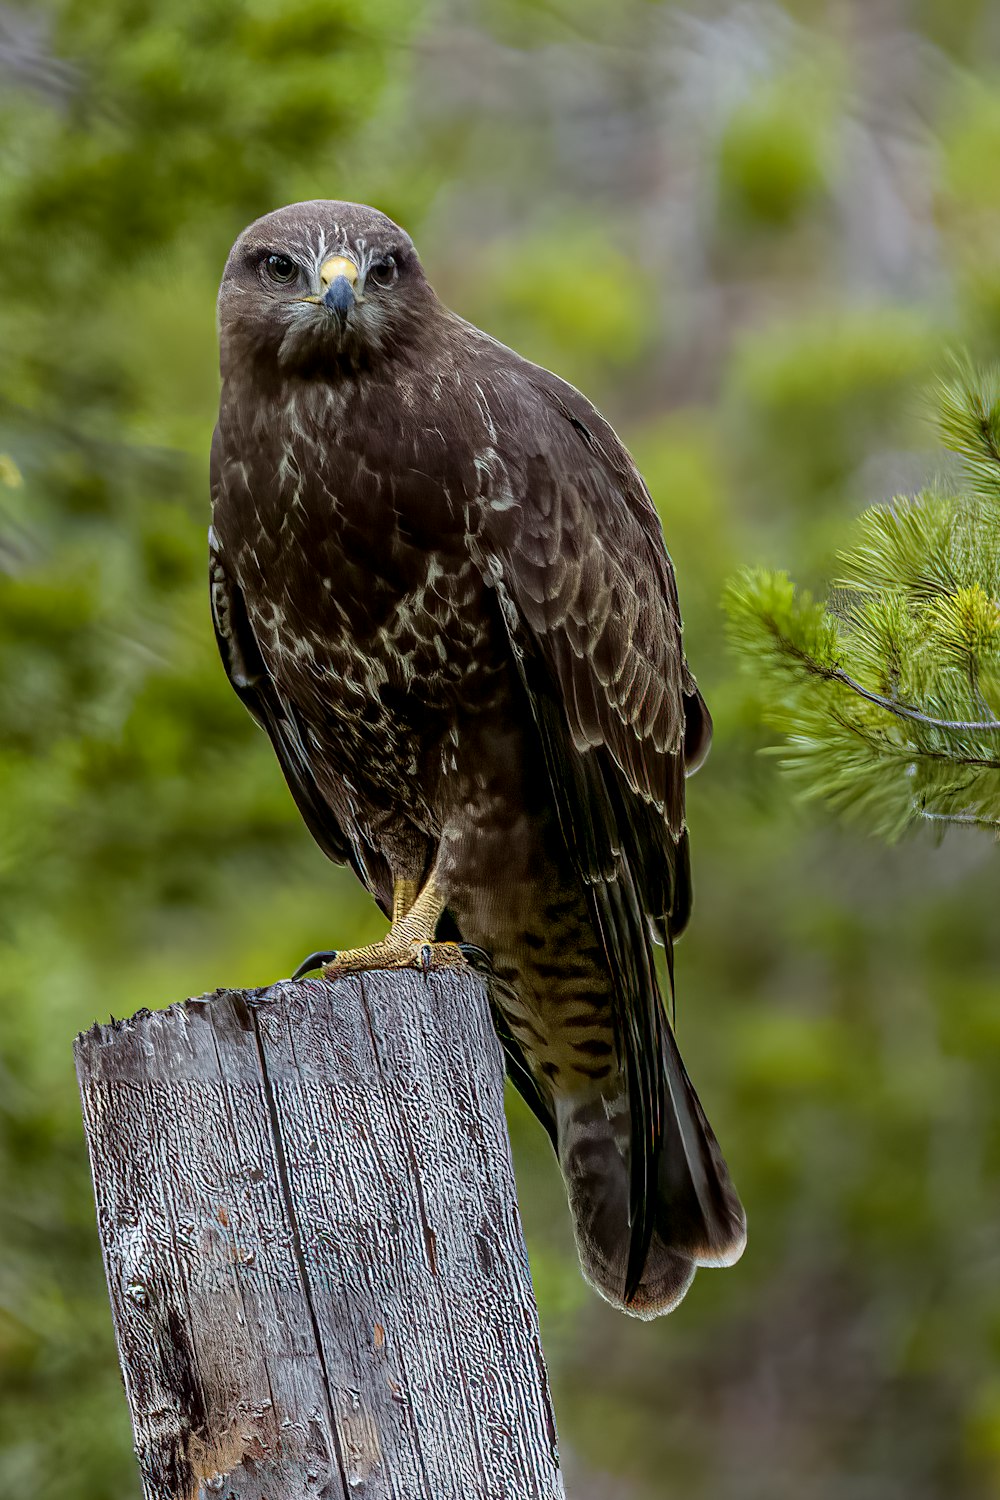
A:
(385, 642)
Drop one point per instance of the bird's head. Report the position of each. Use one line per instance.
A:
(317, 285)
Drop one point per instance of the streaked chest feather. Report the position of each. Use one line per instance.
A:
(333, 620)
(381, 637)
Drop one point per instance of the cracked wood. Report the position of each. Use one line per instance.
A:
(313, 1247)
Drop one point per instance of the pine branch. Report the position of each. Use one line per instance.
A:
(911, 753)
(901, 710)
(912, 632)
(835, 673)
(968, 819)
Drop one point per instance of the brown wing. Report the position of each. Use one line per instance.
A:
(569, 537)
(589, 592)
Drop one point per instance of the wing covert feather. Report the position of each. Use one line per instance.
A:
(589, 588)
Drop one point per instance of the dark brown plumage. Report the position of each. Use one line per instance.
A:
(440, 585)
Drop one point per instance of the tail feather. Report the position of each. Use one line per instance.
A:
(698, 1209)
(697, 1218)
(650, 1192)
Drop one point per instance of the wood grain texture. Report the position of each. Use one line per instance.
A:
(313, 1248)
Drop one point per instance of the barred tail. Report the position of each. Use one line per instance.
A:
(697, 1219)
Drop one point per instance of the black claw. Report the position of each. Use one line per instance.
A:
(426, 957)
(476, 958)
(315, 961)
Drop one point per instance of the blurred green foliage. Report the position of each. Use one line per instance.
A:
(775, 148)
(748, 230)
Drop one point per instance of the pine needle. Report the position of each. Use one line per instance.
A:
(888, 695)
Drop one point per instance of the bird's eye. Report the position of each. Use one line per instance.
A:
(281, 268)
(382, 272)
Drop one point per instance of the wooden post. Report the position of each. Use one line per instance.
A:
(313, 1248)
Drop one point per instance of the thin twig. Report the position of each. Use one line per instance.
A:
(969, 819)
(889, 749)
(901, 710)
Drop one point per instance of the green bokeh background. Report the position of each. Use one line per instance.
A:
(751, 232)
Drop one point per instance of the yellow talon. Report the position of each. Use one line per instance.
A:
(409, 943)
(416, 955)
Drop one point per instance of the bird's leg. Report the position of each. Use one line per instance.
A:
(404, 894)
(409, 943)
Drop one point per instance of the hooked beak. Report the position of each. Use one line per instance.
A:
(338, 278)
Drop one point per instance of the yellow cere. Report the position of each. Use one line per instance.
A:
(338, 265)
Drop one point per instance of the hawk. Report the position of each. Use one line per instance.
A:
(440, 586)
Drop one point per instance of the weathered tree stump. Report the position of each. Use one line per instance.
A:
(313, 1248)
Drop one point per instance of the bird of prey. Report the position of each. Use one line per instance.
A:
(440, 585)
